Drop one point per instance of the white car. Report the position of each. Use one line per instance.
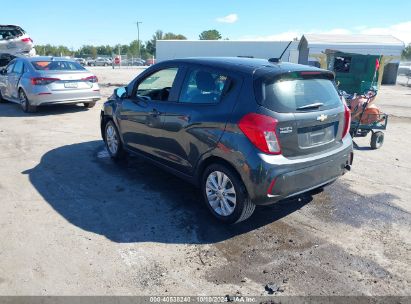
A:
(15, 41)
(100, 62)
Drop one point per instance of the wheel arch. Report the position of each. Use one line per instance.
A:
(213, 159)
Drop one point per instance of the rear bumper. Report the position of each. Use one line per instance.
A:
(70, 97)
(275, 177)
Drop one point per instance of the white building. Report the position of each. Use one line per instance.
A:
(172, 49)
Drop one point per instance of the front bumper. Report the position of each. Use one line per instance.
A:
(275, 177)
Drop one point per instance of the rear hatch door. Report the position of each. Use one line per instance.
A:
(309, 111)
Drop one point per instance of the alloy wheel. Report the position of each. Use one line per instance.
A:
(221, 194)
(112, 139)
(23, 101)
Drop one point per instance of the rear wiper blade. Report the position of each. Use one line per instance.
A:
(311, 106)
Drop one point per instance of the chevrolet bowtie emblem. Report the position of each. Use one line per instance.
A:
(322, 117)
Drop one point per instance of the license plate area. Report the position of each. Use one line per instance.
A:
(71, 85)
(317, 135)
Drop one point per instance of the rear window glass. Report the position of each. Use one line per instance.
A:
(57, 65)
(10, 32)
(292, 95)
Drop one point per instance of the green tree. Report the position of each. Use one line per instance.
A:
(172, 36)
(51, 50)
(210, 35)
(406, 54)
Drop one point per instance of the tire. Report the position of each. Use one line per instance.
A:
(89, 105)
(1, 98)
(113, 141)
(237, 208)
(25, 103)
(377, 140)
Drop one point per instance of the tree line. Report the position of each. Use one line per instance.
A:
(133, 49)
(406, 54)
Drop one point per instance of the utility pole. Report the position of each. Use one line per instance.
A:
(138, 38)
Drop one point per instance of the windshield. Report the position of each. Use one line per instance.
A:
(292, 95)
(57, 65)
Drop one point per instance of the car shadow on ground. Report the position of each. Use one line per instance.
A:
(10, 109)
(134, 201)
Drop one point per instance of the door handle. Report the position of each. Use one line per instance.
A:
(154, 113)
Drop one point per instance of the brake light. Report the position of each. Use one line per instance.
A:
(347, 120)
(260, 130)
(43, 80)
(92, 79)
(27, 40)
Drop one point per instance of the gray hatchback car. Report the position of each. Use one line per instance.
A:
(246, 131)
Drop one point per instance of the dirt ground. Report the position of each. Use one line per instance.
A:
(72, 222)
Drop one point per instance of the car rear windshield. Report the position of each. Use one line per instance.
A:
(10, 32)
(291, 93)
(55, 65)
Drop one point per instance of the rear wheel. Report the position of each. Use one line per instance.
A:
(113, 142)
(89, 105)
(225, 195)
(25, 103)
(377, 140)
(1, 98)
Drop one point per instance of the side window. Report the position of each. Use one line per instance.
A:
(157, 86)
(18, 67)
(203, 86)
(10, 67)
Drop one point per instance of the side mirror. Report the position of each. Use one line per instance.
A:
(121, 92)
(3, 71)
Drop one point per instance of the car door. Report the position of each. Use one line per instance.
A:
(5, 80)
(142, 113)
(14, 79)
(195, 123)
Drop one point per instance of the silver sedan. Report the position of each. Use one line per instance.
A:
(36, 81)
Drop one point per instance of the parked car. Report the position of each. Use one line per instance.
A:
(404, 68)
(135, 62)
(100, 62)
(246, 131)
(15, 41)
(37, 81)
(82, 61)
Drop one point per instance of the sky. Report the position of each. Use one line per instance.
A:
(75, 23)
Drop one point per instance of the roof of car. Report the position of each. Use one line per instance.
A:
(246, 65)
(47, 58)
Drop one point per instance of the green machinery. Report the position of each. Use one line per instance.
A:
(354, 73)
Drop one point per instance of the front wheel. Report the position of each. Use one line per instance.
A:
(113, 142)
(225, 195)
(377, 139)
(25, 103)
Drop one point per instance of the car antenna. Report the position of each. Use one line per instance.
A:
(277, 60)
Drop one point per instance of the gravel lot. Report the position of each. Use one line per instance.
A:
(74, 223)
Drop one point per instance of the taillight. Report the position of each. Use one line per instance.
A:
(27, 40)
(260, 130)
(92, 79)
(43, 80)
(347, 120)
